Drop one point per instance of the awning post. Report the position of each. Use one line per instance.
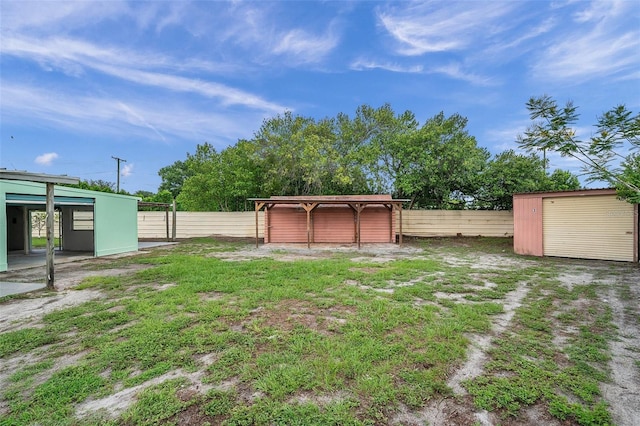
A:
(50, 236)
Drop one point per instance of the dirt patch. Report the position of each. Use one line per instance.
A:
(487, 261)
(443, 412)
(289, 314)
(623, 392)
(569, 280)
(23, 313)
(374, 253)
(319, 399)
(460, 410)
(193, 415)
(116, 404)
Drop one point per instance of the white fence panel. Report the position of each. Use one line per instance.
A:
(201, 224)
(419, 223)
(445, 223)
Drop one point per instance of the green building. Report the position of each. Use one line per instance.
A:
(90, 221)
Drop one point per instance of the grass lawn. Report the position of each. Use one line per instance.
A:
(341, 339)
(41, 242)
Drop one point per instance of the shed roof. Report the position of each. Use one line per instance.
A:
(331, 199)
(37, 177)
(572, 193)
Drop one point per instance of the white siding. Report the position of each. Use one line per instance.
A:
(588, 227)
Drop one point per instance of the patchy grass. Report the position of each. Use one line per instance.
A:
(321, 341)
(527, 367)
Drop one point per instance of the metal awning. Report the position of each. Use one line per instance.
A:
(50, 181)
(22, 199)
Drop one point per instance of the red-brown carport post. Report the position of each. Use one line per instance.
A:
(398, 207)
(308, 207)
(258, 205)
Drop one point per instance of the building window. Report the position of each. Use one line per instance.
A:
(82, 220)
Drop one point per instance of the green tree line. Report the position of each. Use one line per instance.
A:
(436, 164)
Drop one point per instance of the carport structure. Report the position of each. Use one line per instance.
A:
(325, 218)
(93, 222)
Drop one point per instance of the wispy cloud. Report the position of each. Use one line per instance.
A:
(421, 28)
(262, 31)
(148, 118)
(46, 16)
(46, 159)
(456, 71)
(302, 47)
(54, 16)
(365, 64)
(74, 56)
(604, 44)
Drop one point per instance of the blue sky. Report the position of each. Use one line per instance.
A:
(147, 81)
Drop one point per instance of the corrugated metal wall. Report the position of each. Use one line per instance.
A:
(422, 223)
(287, 224)
(374, 225)
(527, 226)
(335, 224)
(588, 227)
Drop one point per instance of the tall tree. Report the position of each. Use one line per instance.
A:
(297, 154)
(509, 173)
(173, 177)
(196, 192)
(611, 155)
(221, 181)
(369, 144)
(438, 165)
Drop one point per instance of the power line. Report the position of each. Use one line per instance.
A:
(119, 160)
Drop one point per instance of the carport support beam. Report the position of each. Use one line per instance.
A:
(173, 221)
(50, 236)
(308, 207)
(26, 229)
(258, 206)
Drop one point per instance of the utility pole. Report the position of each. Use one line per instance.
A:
(118, 179)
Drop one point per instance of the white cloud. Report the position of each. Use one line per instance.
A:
(442, 26)
(587, 56)
(46, 159)
(603, 44)
(261, 29)
(455, 71)
(598, 10)
(364, 64)
(303, 47)
(73, 56)
(145, 117)
(126, 170)
(45, 16)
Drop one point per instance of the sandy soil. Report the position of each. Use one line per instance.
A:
(621, 291)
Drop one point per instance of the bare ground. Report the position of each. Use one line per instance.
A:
(620, 289)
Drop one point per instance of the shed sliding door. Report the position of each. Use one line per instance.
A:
(588, 227)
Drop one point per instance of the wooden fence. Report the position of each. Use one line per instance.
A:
(420, 223)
